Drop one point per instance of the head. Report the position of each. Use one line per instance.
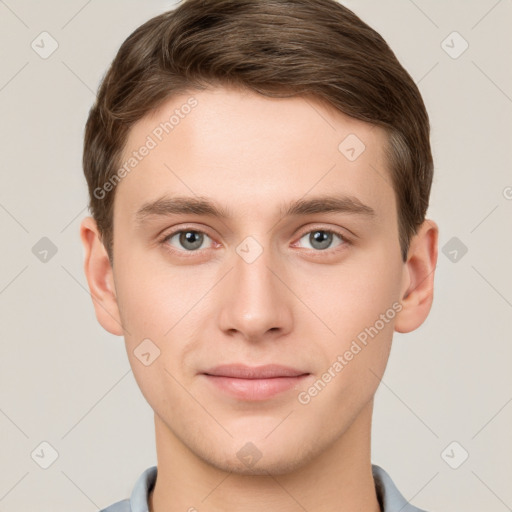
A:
(259, 174)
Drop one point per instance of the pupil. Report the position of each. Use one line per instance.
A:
(321, 238)
(191, 240)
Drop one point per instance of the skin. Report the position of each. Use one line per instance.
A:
(295, 305)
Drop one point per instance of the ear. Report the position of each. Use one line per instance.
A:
(100, 277)
(417, 291)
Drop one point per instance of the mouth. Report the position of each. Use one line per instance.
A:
(254, 383)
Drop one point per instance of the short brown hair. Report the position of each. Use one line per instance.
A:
(278, 48)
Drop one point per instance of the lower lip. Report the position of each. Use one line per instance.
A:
(254, 389)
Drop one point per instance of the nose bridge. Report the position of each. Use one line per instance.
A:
(256, 299)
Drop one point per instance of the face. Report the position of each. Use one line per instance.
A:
(253, 232)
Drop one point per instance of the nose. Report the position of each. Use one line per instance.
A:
(255, 302)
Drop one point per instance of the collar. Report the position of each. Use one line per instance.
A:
(390, 498)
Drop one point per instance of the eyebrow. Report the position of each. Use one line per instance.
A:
(181, 205)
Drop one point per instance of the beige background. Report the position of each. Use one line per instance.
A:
(67, 382)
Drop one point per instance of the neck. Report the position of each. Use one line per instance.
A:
(338, 479)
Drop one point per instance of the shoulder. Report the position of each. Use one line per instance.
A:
(120, 506)
(390, 498)
(138, 501)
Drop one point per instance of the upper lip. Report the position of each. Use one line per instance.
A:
(241, 371)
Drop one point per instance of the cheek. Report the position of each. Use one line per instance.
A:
(153, 298)
(164, 317)
(353, 296)
(157, 383)
(359, 303)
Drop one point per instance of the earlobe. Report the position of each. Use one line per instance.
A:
(100, 278)
(419, 270)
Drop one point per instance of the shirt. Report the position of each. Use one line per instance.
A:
(390, 499)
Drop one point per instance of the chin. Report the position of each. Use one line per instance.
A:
(251, 460)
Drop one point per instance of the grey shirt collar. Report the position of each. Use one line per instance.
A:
(389, 496)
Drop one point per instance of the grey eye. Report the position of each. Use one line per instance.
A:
(189, 240)
(320, 239)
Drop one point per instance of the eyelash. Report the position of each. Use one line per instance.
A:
(316, 252)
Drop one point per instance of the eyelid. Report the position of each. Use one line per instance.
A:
(169, 234)
(346, 239)
(323, 227)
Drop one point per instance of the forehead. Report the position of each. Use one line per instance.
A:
(244, 149)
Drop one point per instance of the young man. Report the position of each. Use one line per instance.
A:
(259, 173)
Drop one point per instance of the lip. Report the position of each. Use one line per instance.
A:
(254, 383)
(242, 371)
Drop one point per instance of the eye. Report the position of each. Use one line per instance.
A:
(188, 239)
(193, 240)
(322, 239)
